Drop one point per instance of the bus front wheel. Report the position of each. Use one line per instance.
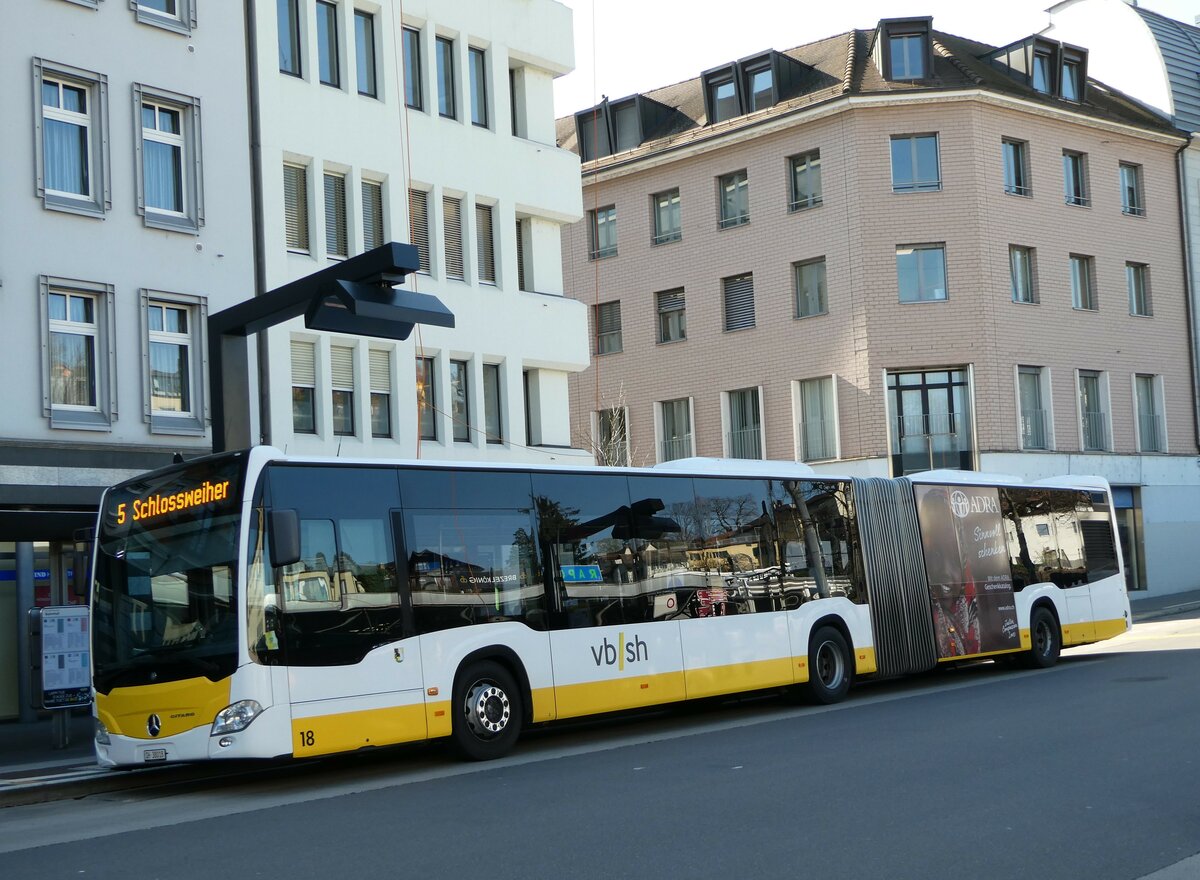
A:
(487, 712)
(1045, 637)
(829, 666)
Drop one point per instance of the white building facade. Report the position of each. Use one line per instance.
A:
(124, 219)
(430, 123)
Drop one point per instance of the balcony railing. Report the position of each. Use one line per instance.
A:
(927, 424)
(1153, 432)
(1095, 431)
(1033, 429)
(679, 447)
(745, 443)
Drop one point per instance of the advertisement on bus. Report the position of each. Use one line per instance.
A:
(966, 561)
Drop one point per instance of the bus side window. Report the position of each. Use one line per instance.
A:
(307, 585)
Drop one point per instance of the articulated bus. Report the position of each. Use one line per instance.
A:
(254, 605)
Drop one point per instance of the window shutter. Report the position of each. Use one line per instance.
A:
(520, 255)
(452, 216)
(486, 247)
(418, 221)
(304, 363)
(381, 370)
(295, 206)
(341, 367)
(739, 302)
(372, 200)
(608, 318)
(670, 300)
(335, 215)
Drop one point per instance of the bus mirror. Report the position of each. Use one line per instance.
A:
(283, 529)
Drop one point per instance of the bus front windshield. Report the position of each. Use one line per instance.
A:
(165, 597)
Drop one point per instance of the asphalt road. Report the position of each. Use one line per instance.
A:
(1088, 770)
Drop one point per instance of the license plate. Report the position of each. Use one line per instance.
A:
(154, 755)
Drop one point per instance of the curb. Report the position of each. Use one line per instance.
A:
(1168, 611)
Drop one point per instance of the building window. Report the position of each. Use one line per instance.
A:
(418, 226)
(1043, 80)
(170, 190)
(810, 288)
(452, 232)
(1137, 280)
(612, 437)
(524, 242)
(627, 126)
(932, 427)
(1016, 167)
(734, 192)
(723, 98)
(676, 429)
(491, 403)
(805, 181)
(672, 315)
(426, 398)
(1152, 436)
(328, 63)
(380, 364)
(170, 347)
(335, 215)
(608, 327)
(602, 233)
(908, 56)
(460, 401)
(516, 101)
(739, 301)
(818, 419)
(485, 244)
(341, 383)
(915, 163)
(1092, 411)
(667, 225)
(921, 272)
(1075, 188)
(412, 69)
(173, 15)
(1071, 81)
(745, 425)
(1083, 288)
(78, 355)
(364, 52)
(1034, 423)
(1021, 272)
(372, 209)
(479, 101)
(445, 77)
(295, 207)
(72, 138)
(304, 387)
(1131, 190)
(288, 18)
(760, 87)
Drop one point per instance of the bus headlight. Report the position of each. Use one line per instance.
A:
(102, 733)
(237, 717)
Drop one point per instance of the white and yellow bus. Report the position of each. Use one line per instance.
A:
(253, 605)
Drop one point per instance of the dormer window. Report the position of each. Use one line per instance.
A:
(615, 126)
(1050, 68)
(627, 128)
(904, 48)
(1070, 80)
(751, 84)
(1042, 79)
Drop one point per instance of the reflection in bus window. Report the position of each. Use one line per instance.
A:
(467, 567)
(818, 544)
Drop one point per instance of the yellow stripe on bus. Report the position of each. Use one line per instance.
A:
(632, 692)
(713, 681)
(347, 731)
(179, 705)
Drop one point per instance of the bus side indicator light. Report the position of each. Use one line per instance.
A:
(433, 692)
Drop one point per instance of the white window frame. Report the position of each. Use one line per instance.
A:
(335, 386)
(1105, 399)
(194, 421)
(799, 422)
(927, 246)
(335, 173)
(1082, 198)
(916, 185)
(1140, 272)
(385, 387)
(658, 427)
(596, 439)
(1045, 383)
(304, 207)
(182, 21)
(380, 184)
(1022, 271)
(1160, 411)
(318, 408)
(104, 413)
(99, 198)
(191, 218)
(727, 421)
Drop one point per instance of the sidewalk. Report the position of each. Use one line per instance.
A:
(1149, 606)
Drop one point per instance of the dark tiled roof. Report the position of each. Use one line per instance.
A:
(844, 64)
(1179, 44)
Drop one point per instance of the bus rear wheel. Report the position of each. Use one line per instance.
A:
(488, 712)
(829, 666)
(1045, 637)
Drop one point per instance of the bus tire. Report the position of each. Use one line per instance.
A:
(1045, 639)
(830, 668)
(487, 711)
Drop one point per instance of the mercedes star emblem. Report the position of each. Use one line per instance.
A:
(153, 725)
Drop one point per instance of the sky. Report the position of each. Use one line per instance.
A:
(628, 46)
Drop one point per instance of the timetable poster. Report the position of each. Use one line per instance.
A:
(66, 657)
(966, 561)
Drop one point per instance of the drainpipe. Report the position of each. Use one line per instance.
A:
(256, 208)
(1189, 302)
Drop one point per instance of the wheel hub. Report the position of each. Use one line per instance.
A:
(488, 710)
(829, 665)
